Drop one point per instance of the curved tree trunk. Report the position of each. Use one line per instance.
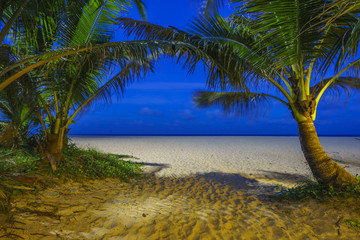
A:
(322, 166)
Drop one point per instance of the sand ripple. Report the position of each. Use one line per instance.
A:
(210, 196)
(209, 206)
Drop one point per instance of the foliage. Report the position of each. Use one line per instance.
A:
(16, 166)
(313, 190)
(78, 164)
(90, 164)
(17, 161)
(282, 50)
(353, 222)
(294, 52)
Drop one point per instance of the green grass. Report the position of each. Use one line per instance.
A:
(323, 193)
(78, 165)
(17, 161)
(313, 190)
(353, 223)
(81, 164)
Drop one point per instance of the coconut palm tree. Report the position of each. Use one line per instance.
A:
(293, 52)
(12, 13)
(42, 35)
(69, 85)
(68, 94)
(30, 18)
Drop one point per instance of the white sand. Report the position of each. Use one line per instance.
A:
(270, 157)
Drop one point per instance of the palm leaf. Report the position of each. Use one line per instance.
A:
(221, 59)
(141, 8)
(234, 102)
(106, 88)
(339, 85)
(210, 6)
(136, 50)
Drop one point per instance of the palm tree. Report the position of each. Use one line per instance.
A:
(288, 51)
(30, 18)
(12, 13)
(69, 85)
(72, 91)
(55, 16)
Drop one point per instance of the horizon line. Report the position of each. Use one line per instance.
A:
(215, 135)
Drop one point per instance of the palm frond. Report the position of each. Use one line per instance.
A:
(12, 18)
(210, 6)
(134, 50)
(117, 83)
(229, 54)
(338, 86)
(96, 21)
(239, 103)
(140, 5)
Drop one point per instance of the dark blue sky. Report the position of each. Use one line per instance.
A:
(162, 103)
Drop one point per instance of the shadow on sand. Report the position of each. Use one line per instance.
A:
(261, 184)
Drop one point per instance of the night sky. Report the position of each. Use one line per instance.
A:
(162, 103)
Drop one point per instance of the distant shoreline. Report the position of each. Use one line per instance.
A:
(202, 135)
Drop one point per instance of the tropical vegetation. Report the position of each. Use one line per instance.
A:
(67, 50)
(55, 66)
(68, 85)
(293, 52)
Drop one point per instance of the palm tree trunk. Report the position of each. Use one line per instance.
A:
(9, 136)
(52, 148)
(51, 151)
(322, 166)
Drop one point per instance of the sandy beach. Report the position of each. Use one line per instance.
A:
(252, 156)
(195, 188)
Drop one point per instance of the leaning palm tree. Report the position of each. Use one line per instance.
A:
(71, 84)
(68, 94)
(18, 13)
(293, 52)
(41, 36)
(72, 81)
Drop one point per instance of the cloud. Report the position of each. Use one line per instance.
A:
(150, 112)
(186, 115)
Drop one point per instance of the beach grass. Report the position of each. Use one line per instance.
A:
(80, 164)
(21, 170)
(314, 190)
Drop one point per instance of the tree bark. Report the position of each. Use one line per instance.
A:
(325, 170)
(52, 148)
(9, 137)
(51, 151)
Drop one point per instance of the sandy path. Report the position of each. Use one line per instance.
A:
(201, 207)
(205, 200)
